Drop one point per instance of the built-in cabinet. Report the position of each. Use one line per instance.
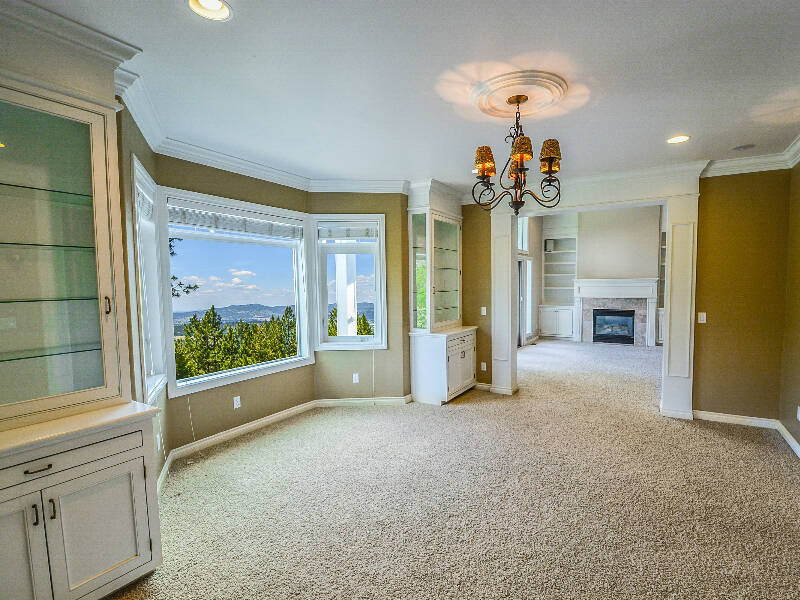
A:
(78, 517)
(443, 352)
(559, 270)
(78, 506)
(63, 332)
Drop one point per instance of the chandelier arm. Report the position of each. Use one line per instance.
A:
(503, 172)
(487, 190)
(545, 201)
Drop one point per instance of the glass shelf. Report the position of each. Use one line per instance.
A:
(68, 246)
(39, 189)
(75, 299)
(50, 351)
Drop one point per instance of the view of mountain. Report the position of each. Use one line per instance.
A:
(252, 313)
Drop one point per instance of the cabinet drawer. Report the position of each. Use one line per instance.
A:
(461, 341)
(47, 465)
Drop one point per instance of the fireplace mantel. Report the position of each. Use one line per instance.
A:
(645, 287)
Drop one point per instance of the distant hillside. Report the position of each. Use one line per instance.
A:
(252, 313)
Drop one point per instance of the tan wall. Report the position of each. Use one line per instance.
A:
(741, 266)
(195, 416)
(334, 368)
(476, 275)
(790, 376)
(621, 243)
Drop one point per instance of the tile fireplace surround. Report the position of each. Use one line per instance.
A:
(639, 295)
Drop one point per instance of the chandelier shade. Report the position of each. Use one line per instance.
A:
(483, 158)
(515, 190)
(521, 149)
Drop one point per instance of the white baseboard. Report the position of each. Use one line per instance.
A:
(484, 387)
(677, 414)
(787, 435)
(382, 401)
(506, 391)
(234, 432)
(735, 419)
(752, 422)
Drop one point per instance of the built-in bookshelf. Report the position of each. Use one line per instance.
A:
(559, 270)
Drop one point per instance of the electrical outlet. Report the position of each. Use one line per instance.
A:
(798, 413)
(483, 311)
(701, 317)
(355, 377)
(483, 366)
(237, 402)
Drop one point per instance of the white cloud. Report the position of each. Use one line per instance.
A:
(241, 273)
(236, 281)
(213, 278)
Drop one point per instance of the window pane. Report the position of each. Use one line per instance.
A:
(234, 304)
(351, 294)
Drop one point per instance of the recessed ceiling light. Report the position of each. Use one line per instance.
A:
(216, 10)
(678, 139)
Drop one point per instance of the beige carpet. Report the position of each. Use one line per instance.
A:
(573, 489)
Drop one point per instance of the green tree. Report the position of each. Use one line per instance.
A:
(363, 327)
(333, 329)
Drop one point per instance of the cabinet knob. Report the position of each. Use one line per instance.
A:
(108, 305)
(53, 506)
(42, 470)
(35, 515)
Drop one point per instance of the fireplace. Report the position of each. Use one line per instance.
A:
(613, 326)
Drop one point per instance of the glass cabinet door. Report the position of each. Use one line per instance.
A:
(419, 251)
(51, 327)
(446, 272)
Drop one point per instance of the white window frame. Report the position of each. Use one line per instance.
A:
(523, 235)
(147, 247)
(378, 341)
(205, 202)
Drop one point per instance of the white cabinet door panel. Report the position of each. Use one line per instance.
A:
(453, 370)
(564, 325)
(24, 574)
(548, 322)
(97, 528)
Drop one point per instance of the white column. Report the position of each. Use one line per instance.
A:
(346, 309)
(651, 321)
(505, 294)
(676, 392)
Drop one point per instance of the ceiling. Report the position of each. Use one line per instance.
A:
(380, 90)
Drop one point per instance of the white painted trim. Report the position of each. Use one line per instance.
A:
(54, 25)
(218, 160)
(65, 95)
(735, 419)
(751, 164)
(505, 391)
(645, 287)
(676, 414)
(378, 401)
(484, 387)
(130, 87)
(389, 186)
(787, 435)
(234, 432)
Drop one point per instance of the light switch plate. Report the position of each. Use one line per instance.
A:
(483, 366)
(355, 377)
(701, 317)
(483, 311)
(237, 402)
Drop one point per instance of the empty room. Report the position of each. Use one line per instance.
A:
(414, 300)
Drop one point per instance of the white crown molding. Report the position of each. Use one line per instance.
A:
(753, 164)
(234, 164)
(130, 87)
(388, 186)
(54, 25)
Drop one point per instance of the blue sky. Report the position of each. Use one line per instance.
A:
(231, 273)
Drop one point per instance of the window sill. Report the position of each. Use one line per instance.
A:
(207, 382)
(324, 346)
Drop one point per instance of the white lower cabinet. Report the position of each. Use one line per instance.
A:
(442, 364)
(555, 321)
(78, 519)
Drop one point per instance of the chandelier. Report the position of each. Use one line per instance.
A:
(484, 192)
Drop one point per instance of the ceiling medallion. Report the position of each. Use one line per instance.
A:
(521, 151)
(542, 89)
